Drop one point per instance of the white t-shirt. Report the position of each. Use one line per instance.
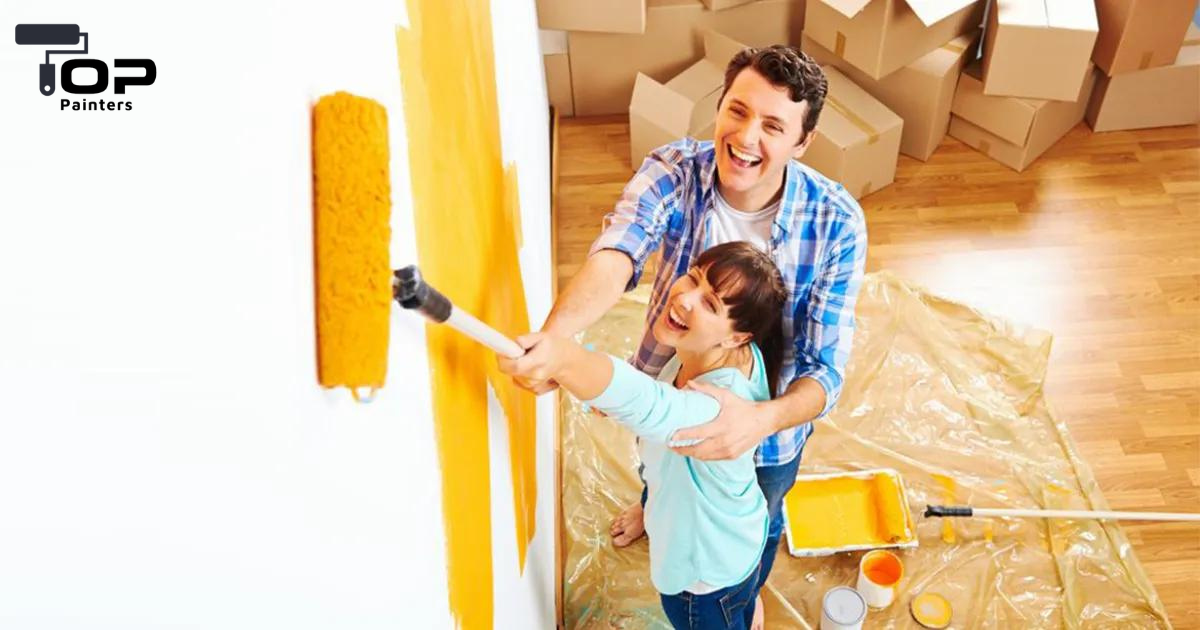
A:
(730, 224)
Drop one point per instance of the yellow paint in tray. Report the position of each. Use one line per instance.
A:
(853, 510)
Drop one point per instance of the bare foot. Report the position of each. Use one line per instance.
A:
(759, 615)
(628, 527)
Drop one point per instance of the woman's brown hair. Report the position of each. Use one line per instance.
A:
(751, 287)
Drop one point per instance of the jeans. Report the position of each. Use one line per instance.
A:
(775, 482)
(731, 608)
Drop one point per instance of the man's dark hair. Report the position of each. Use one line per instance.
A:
(785, 66)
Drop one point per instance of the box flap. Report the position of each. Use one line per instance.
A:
(848, 8)
(931, 12)
(1078, 15)
(661, 105)
(719, 49)
(939, 61)
(700, 79)
(852, 116)
(704, 116)
(1021, 12)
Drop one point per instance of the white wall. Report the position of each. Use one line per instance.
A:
(166, 456)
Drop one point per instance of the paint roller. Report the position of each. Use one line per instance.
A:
(355, 284)
(965, 511)
(892, 516)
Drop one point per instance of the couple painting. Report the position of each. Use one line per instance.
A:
(748, 333)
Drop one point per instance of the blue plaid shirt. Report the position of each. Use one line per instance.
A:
(818, 241)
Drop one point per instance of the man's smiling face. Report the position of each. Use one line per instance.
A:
(758, 129)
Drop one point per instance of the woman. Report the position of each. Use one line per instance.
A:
(706, 520)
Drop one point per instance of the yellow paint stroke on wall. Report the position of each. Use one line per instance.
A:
(467, 225)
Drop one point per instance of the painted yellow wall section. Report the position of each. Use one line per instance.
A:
(467, 228)
(351, 219)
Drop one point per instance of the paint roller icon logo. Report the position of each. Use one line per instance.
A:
(69, 35)
(51, 35)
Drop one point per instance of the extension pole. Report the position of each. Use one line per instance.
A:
(945, 511)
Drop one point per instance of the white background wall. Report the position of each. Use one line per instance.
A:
(167, 458)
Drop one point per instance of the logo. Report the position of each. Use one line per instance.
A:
(69, 35)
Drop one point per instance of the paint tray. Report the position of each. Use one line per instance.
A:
(828, 513)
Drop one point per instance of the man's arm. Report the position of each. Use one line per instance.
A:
(592, 291)
(802, 402)
(634, 230)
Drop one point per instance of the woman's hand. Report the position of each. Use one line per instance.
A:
(542, 361)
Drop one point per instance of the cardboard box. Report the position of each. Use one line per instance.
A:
(1013, 131)
(558, 71)
(858, 138)
(1140, 34)
(919, 93)
(558, 83)
(1158, 97)
(718, 5)
(881, 36)
(684, 106)
(605, 16)
(604, 65)
(1038, 49)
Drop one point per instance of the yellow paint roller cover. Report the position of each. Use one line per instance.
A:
(351, 226)
(892, 515)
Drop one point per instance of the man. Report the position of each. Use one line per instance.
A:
(743, 185)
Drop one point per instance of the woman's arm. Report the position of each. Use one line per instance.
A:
(652, 409)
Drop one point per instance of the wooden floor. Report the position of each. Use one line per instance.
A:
(1098, 242)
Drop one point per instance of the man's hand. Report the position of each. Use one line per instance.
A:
(740, 427)
(537, 386)
(535, 369)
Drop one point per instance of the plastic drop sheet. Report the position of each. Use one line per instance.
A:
(949, 397)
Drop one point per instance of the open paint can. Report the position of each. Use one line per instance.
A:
(879, 575)
(842, 608)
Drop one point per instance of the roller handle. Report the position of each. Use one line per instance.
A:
(412, 292)
(944, 511)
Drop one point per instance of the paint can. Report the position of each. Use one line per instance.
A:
(879, 574)
(842, 608)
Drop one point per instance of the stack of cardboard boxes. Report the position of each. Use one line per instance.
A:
(892, 66)
(1034, 80)
(1047, 65)
(609, 42)
(1150, 55)
(902, 73)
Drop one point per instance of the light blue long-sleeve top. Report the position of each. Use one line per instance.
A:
(706, 520)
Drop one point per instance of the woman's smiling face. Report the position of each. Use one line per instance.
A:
(695, 319)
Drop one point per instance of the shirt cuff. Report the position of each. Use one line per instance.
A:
(620, 243)
(828, 379)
